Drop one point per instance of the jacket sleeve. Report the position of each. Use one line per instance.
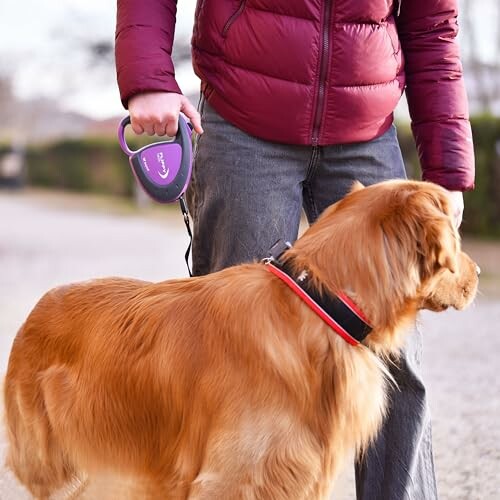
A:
(436, 92)
(143, 46)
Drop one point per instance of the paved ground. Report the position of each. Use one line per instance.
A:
(47, 239)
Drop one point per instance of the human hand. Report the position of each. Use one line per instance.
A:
(457, 206)
(158, 113)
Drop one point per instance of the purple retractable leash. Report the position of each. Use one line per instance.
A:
(163, 169)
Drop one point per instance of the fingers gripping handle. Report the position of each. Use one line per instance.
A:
(183, 126)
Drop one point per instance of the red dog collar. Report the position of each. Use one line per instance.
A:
(338, 312)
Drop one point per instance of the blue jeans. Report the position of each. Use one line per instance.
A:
(247, 193)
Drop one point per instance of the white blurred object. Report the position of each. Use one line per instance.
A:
(12, 165)
(457, 203)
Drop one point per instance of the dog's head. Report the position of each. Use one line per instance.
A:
(394, 249)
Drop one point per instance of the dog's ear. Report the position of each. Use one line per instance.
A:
(419, 237)
(356, 186)
(438, 241)
(438, 247)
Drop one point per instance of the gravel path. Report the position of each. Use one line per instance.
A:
(47, 239)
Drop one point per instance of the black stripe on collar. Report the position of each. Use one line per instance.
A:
(341, 310)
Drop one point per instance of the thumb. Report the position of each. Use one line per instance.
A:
(191, 112)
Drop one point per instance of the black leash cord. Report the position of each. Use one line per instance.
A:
(185, 214)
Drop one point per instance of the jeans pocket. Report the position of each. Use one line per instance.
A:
(201, 103)
(191, 193)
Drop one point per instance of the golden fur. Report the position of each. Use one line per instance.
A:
(228, 386)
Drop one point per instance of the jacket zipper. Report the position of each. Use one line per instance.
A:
(233, 18)
(324, 57)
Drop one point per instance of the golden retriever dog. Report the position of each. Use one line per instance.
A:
(231, 386)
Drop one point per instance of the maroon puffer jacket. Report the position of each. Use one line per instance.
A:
(315, 72)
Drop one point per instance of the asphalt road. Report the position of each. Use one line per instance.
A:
(47, 239)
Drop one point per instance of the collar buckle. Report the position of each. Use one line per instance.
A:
(276, 251)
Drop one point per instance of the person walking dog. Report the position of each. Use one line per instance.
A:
(297, 101)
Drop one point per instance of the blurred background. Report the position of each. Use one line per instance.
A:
(59, 101)
(70, 210)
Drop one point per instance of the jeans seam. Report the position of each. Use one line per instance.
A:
(307, 191)
(313, 164)
(310, 202)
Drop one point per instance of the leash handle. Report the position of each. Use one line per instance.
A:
(121, 136)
